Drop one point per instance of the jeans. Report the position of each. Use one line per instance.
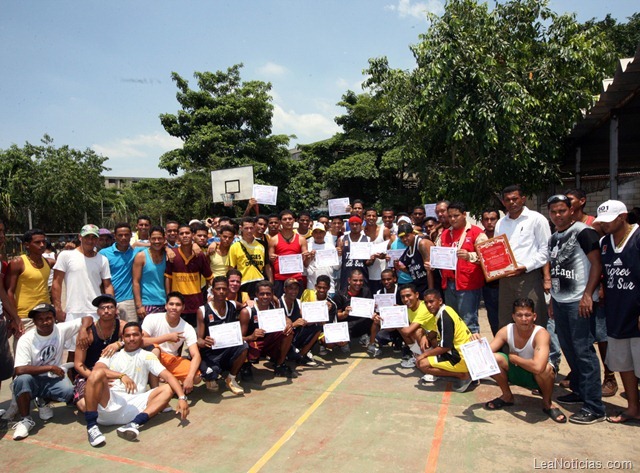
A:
(555, 355)
(44, 387)
(574, 333)
(465, 303)
(490, 297)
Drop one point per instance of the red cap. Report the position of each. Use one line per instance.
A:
(355, 219)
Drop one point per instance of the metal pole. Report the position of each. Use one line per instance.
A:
(578, 162)
(613, 157)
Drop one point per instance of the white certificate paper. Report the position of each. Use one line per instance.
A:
(361, 307)
(430, 210)
(443, 258)
(394, 317)
(336, 333)
(272, 320)
(479, 359)
(384, 300)
(338, 206)
(226, 335)
(267, 195)
(359, 250)
(290, 264)
(314, 312)
(379, 247)
(394, 255)
(326, 258)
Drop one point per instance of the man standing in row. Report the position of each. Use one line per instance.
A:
(287, 242)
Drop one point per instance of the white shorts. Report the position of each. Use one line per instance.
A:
(623, 354)
(122, 408)
(70, 345)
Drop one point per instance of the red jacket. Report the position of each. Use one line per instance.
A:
(468, 276)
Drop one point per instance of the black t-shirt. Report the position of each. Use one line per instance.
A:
(343, 298)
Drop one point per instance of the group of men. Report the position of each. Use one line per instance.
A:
(137, 316)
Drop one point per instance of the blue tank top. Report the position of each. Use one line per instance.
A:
(403, 278)
(152, 281)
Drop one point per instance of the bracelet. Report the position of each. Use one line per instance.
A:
(121, 376)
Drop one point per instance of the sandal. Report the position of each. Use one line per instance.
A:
(497, 404)
(624, 418)
(555, 415)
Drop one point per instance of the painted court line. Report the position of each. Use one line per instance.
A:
(436, 442)
(301, 420)
(102, 456)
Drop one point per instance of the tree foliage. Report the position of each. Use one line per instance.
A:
(492, 97)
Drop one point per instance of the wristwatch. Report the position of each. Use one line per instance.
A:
(182, 398)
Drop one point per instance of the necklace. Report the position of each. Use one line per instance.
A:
(37, 265)
(286, 309)
(105, 341)
(288, 240)
(626, 235)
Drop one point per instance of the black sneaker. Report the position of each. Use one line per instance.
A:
(585, 417)
(397, 346)
(283, 371)
(246, 373)
(571, 398)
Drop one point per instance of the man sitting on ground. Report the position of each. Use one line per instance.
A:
(443, 357)
(527, 364)
(116, 391)
(421, 322)
(305, 334)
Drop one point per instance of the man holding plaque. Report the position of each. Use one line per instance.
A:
(216, 360)
(528, 233)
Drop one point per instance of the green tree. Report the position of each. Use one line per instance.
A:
(492, 97)
(623, 38)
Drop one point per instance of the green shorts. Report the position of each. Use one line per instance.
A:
(520, 376)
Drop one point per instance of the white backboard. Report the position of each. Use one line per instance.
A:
(236, 181)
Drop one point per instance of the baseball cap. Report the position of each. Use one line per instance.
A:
(90, 229)
(318, 226)
(103, 298)
(404, 219)
(42, 307)
(609, 210)
(291, 281)
(405, 229)
(104, 231)
(355, 219)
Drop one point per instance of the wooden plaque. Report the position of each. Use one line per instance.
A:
(496, 257)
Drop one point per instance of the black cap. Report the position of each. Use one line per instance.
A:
(405, 229)
(40, 308)
(103, 298)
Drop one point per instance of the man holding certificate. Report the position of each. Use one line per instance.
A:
(305, 334)
(463, 286)
(210, 317)
(324, 257)
(415, 258)
(287, 243)
(349, 263)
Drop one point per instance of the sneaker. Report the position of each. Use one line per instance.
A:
(12, 412)
(283, 371)
(308, 360)
(2, 411)
(373, 350)
(428, 378)
(45, 412)
(585, 417)
(96, 437)
(461, 385)
(609, 386)
(129, 431)
(323, 351)
(364, 340)
(246, 373)
(571, 398)
(233, 386)
(397, 345)
(345, 349)
(23, 428)
(408, 363)
(212, 385)
(166, 410)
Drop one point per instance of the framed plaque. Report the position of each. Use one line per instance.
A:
(496, 257)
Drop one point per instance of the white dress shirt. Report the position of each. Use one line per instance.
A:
(528, 236)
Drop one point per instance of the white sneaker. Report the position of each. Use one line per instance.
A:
(12, 412)
(429, 378)
(408, 363)
(233, 386)
(129, 431)
(322, 351)
(373, 350)
(364, 340)
(23, 428)
(95, 436)
(45, 412)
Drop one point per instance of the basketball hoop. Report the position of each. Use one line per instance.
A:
(227, 199)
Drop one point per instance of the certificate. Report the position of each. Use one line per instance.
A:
(314, 312)
(361, 307)
(394, 255)
(479, 359)
(443, 258)
(267, 195)
(336, 333)
(430, 210)
(496, 257)
(379, 247)
(359, 250)
(338, 206)
(394, 317)
(326, 258)
(226, 335)
(384, 300)
(290, 264)
(272, 320)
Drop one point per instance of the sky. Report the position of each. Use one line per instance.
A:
(97, 74)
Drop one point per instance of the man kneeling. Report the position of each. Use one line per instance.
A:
(527, 364)
(127, 401)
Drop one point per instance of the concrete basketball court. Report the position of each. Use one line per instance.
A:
(352, 414)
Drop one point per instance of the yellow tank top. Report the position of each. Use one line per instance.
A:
(32, 286)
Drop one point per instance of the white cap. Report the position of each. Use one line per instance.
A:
(318, 226)
(404, 219)
(609, 211)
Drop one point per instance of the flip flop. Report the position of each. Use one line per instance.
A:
(555, 415)
(497, 404)
(624, 418)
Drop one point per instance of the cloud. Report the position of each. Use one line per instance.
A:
(308, 127)
(408, 8)
(272, 69)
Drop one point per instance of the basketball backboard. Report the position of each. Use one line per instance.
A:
(236, 181)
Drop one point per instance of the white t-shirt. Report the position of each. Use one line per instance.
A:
(136, 365)
(83, 277)
(156, 325)
(36, 350)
